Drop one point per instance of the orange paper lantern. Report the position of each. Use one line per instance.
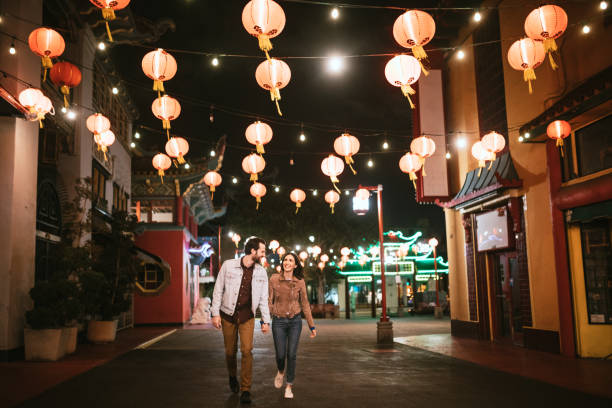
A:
(410, 163)
(297, 196)
(273, 75)
(259, 134)
(97, 123)
(47, 44)
(212, 179)
(559, 130)
(108, 11)
(258, 190)
(166, 109)
(332, 166)
(316, 250)
(177, 147)
(263, 19)
(494, 143)
(403, 71)
(545, 24)
(253, 164)
(37, 104)
(274, 245)
(482, 155)
(526, 55)
(104, 140)
(236, 239)
(413, 30)
(347, 145)
(362, 194)
(66, 76)
(331, 198)
(159, 66)
(161, 162)
(424, 147)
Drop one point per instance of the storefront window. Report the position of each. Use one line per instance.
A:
(597, 260)
(589, 150)
(150, 277)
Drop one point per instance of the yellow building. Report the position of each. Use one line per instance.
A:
(529, 238)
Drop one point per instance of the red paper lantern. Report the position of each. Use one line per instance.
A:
(177, 147)
(347, 145)
(493, 142)
(212, 179)
(159, 66)
(97, 123)
(403, 71)
(258, 190)
(297, 196)
(166, 109)
(104, 140)
(526, 55)
(410, 163)
(362, 194)
(413, 30)
(273, 75)
(108, 11)
(424, 147)
(331, 198)
(332, 166)
(316, 250)
(259, 134)
(253, 164)
(559, 130)
(37, 104)
(545, 24)
(263, 19)
(161, 162)
(345, 251)
(324, 258)
(47, 44)
(482, 155)
(66, 76)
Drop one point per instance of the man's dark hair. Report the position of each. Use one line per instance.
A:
(252, 243)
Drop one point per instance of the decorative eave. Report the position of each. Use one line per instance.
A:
(594, 92)
(489, 184)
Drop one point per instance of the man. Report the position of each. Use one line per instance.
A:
(242, 286)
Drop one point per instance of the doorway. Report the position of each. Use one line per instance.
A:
(505, 295)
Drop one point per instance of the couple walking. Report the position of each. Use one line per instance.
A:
(241, 287)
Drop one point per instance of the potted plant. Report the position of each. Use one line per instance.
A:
(106, 288)
(56, 305)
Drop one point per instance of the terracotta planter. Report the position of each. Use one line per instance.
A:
(43, 345)
(102, 331)
(69, 339)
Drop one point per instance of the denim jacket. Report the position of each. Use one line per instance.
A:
(227, 286)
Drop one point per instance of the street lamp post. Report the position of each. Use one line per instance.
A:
(384, 326)
(438, 310)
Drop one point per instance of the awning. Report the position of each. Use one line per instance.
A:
(591, 212)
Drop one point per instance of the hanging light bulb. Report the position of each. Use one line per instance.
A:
(315, 192)
(136, 135)
(276, 189)
(12, 50)
(370, 163)
(211, 116)
(448, 155)
(335, 13)
(212, 153)
(477, 16)
(101, 46)
(460, 54)
(215, 62)
(132, 145)
(346, 192)
(385, 145)
(115, 90)
(187, 166)
(603, 5)
(71, 115)
(234, 180)
(586, 29)
(302, 137)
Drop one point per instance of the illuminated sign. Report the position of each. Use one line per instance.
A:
(403, 268)
(359, 279)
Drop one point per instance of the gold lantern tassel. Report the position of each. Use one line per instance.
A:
(297, 207)
(66, 91)
(47, 64)
(423, 166)
(104, 149)
(180, 159)
(212, 193)
(275, 96)
(550, 46)
(108, 14)
(425, 72)
(413, 177)
(559, 144)
(253, 177)
(158, 86)
(161, 174)
(260, 148)
(528, 76)
(40, 116)
(481, 165)
(349, 160)
(335, 180)
(332, 207)
(418, 52)
(407, 90)
(258, 199)
(265, 44)
(166, 123)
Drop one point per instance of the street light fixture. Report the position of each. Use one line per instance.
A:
(433, 243)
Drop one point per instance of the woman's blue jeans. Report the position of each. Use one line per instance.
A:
(286, 333)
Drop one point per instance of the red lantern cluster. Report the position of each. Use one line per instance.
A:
(37, 104)
(413, 30)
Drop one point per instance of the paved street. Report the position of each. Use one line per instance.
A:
(341, 367)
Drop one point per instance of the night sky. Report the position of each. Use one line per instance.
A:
(358, 100)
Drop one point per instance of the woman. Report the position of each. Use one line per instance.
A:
(288, 298)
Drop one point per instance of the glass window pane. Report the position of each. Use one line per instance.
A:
(597, 263)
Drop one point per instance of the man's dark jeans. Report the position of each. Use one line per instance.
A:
(286, 333)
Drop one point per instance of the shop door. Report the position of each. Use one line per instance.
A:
(506, 294)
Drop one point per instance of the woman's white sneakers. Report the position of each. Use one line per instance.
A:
(278, 380)
(288, 392)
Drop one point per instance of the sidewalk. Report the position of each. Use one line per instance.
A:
(342, 367)
(22, 380)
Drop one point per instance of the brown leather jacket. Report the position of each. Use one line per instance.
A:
(288, 298)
